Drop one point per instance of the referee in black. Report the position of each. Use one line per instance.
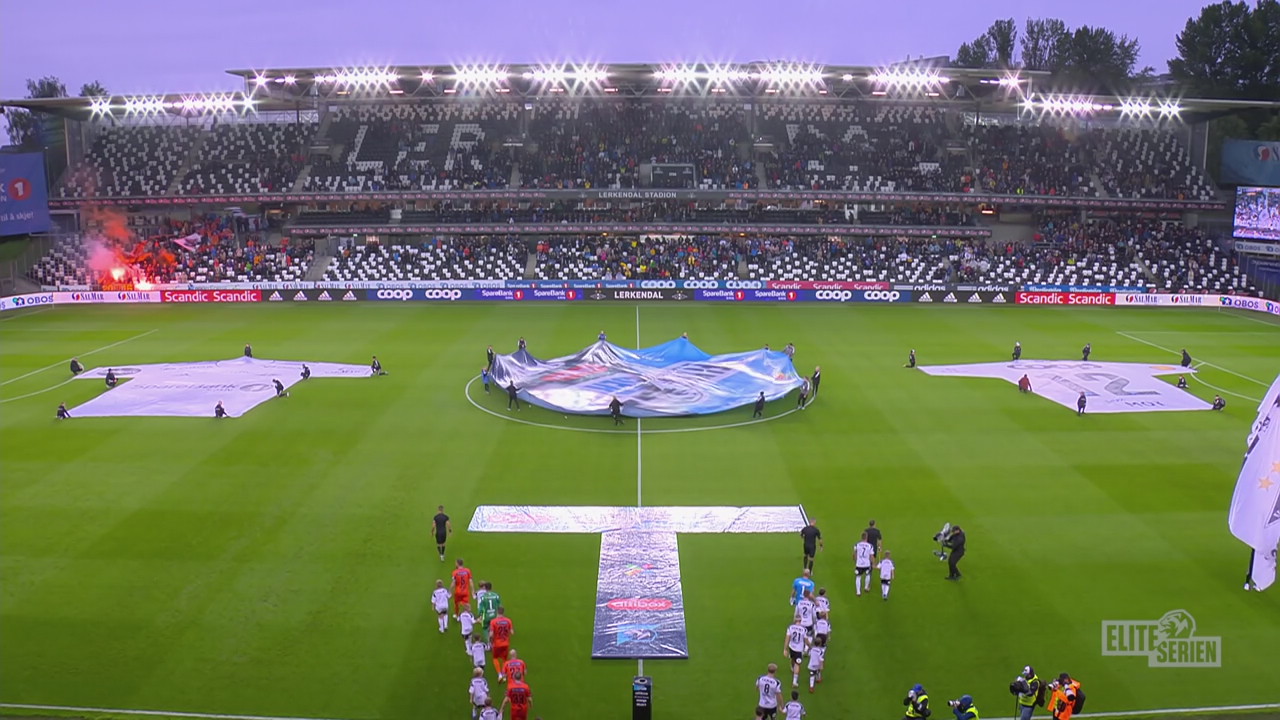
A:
(812, 537)
(615, 408)
(873, 536)
(444, 529)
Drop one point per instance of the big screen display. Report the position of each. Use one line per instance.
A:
(1257, 213)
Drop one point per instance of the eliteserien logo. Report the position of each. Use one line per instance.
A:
(1168, 642)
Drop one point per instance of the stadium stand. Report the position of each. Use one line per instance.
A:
(248, 158)
(605, 144)
(130, 161)
(470, 258)
(417, 147)
(1025, 160)
(689, 258)
(1186, 260)
(863, 147)
(1145, 164)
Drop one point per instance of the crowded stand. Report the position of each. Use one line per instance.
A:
(130, 161)
(442, 258)
(642, 258)
(248, 158)
(1025, 160)
(440, 146)
(1187, 260)
(869, 148)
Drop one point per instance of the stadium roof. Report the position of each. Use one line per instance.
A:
(925, 80)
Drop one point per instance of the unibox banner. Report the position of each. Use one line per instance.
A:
(24, 199)
(1251, 162)
(1109, 387)
(639, 599)
(192, 389)
(672, 379)
(1084, 288)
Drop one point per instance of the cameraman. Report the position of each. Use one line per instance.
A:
(963, 708)
(1029, 690)
(955, 543)
(917, 702)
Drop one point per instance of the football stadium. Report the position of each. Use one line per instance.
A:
(640, 390)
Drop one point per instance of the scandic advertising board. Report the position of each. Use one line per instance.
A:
(210, 296)
(1065, 298)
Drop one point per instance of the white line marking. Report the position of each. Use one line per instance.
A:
(84, 354)
(22, 315)
(1229, 313)
(639, 453)
(466, 390)
(37, 392)
(1174, 711)
(640, 669)
(1202, 362)
(149, 713)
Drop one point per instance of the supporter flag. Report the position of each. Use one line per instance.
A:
(1255, 507)
(190, 242)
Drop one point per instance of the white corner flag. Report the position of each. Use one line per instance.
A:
(1255, 507)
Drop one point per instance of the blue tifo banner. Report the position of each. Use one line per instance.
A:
(1085, 288)
(668, 380)
(1251, 162)
(24, 199)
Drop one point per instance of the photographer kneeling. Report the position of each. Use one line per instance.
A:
(954, 542)
(963, 708)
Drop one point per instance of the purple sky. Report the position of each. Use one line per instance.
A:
(151, 46)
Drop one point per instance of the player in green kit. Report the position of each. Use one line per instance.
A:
(488, 604)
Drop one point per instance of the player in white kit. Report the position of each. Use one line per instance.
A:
(478, 692)
(862, 554)
(793, 647)
(468, 623)
(822, 602)
(817, 658)
(440, 602)
(886, 575)
(805, 613)
(793, 710)
(770, 688)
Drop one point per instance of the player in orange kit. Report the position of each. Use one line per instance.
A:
(514, 666)
(462, 587)
(519, 697)
(500, 632)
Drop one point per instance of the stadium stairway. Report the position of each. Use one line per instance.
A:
(315, 273)
(531, 267)
(1095, 182)
(194, 156)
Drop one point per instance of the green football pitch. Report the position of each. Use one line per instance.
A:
(280, 564)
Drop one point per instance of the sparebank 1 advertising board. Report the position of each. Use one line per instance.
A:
(24, 199)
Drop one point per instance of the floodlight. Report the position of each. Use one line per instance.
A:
(100, 105)
(290, 80)
(1170, 108)
(260, 80)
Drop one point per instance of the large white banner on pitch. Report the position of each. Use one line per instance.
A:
(1111, 387)
(192, 389)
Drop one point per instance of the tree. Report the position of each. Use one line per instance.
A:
(1044, 44)
(994, 48)
(1231, 50)
(1003, 37)
(24, 126)
(976, 54)
(1098, 60)
(93, 89)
